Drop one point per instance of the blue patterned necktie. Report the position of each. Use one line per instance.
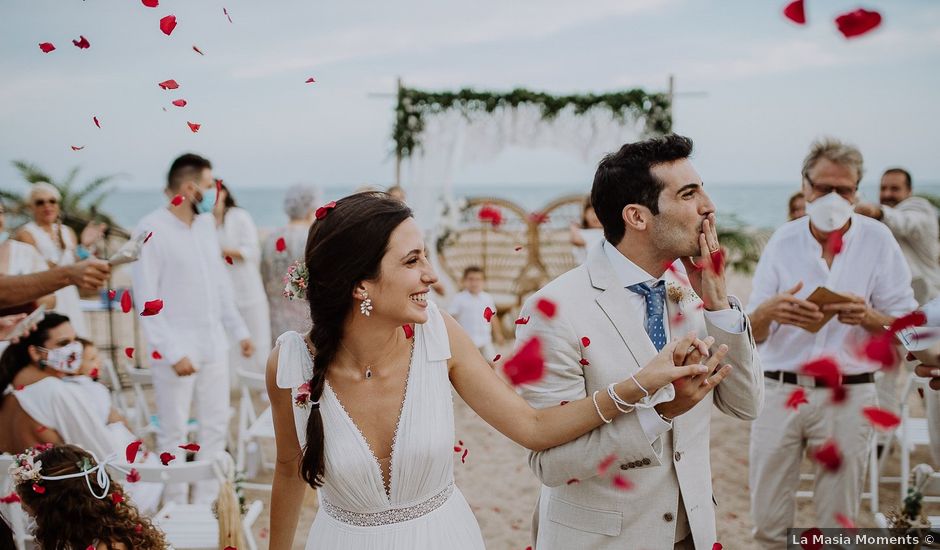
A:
(655, 306)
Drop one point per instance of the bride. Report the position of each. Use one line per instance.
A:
(363, 407)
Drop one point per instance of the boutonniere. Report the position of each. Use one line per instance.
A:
(680, 295)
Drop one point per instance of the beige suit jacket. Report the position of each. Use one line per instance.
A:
(579, 508)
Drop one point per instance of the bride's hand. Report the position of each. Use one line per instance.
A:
(678, 359)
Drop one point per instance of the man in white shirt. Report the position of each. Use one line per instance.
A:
(181, 265)
(854, 256)
(614, 312)
(469, 309)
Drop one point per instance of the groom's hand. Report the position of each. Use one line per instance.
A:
(691, 390)
(707, 273)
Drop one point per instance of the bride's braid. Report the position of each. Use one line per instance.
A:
(345, 247)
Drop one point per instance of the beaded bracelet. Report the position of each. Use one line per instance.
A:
(619, 401)
(598, 409)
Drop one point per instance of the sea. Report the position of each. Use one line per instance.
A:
(762, 205)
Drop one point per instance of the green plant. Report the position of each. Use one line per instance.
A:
(80, 203)
(743, 244)
(413, 105)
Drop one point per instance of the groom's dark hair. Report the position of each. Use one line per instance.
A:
(625, 177)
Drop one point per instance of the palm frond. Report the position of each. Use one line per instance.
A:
(91, 187)
(30, 172)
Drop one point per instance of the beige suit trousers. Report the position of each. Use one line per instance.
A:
(779, 438)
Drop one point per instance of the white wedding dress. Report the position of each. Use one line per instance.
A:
(422, 509)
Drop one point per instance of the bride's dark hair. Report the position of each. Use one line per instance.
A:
(344, 248)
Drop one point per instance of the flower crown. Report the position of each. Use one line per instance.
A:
(295, 281)
(26, 468)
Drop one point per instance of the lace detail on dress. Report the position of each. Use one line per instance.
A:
(385, 517)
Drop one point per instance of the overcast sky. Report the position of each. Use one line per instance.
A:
(772, 86)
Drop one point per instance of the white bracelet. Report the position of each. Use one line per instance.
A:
(642, 389)
(598, 409)
(619, 401)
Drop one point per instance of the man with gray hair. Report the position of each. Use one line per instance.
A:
(858, 258)
(284, 246)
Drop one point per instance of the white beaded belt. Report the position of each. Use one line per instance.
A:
(386, 517)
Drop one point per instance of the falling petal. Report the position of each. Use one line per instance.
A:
(584, 362)
(112, 293)
(795, 12)
(546, 307)
(166, 458)
(572, 481)
(169, 84)
(825, 369)
(309, 80)
(10, 499)
(179, 102)
(167, 24)
(148, 237)
(77, 148)
(522, 320)
(177, 200)
(229, 260)
(518, 248)
(497, 358)
(129, 352)
(527, 365)
(457, 448)
(229, 17)
(324, 210)
(46, 47)
(152, 307)
(463, 457)
(858, 22)
(585, 341)
(81, 43)
(881, 419)
(491, 214)
(133, 476)
(913, 319)
(131, 451)
(150, 3)
(622, 483)
(604, 464)
(197, 50)
(156, 355)
(191, 447)
(717, 546)
(193, 126)
(126, 303)
(95, 120)
(880, 348)
(38, 489)
(280, 244)
(844, 521)
(828, 456)
(834, 243)
(409, 332)
(117, 498)
(797, 398)
(812, 537)
(218, 184)
(488, 314)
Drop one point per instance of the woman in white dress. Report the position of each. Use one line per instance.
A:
(58, 245)
(368, 420)
(241, 249)
(586, 234)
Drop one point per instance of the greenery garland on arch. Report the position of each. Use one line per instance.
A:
(413, 105)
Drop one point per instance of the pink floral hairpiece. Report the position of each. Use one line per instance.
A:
(324, 210)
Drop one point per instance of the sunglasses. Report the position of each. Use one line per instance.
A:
(43, 202)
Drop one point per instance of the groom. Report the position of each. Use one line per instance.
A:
(629, 298)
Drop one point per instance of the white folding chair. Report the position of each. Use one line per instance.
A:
(252, 427)
(13, 512)
(927, 481)
(873, 478)
(194, 526)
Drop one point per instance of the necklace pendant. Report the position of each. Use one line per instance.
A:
(368, 373)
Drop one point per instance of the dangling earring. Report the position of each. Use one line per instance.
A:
(365, 307)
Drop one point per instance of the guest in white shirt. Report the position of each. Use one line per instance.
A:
(849, 254)
(913, 221)
(241, 249)
(469, 309)
(182, 266)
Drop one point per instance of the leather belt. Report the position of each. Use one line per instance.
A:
(811, 382)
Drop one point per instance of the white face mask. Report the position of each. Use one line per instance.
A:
(67, 359)
(829, 212)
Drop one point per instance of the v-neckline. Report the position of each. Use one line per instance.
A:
(377, 466)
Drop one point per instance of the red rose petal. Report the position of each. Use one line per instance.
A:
(491, 214)
(169, 84)
(834, 243)
(538, 218)
(148, 237)
(717, 264)
(81, 43)
(152, 307)
(844, 521)
(717, 546)
(324, 210)
(129, 352)
(518, 248)
(156, 355)
(167, 24)
(795, 12)
(46, 47)
(858, 22)
(457, 448)
(150, 3)
(177, 200)
(572, 481)
(218, 190)
(117, 498)
(546, 307)
(912, 319)
(166, 458)
(229, 260)
(881, 419)
(93, 374)
(10, 499)
(280, 244)
(126, 303)
(77, 148)
(828, 456)
(193, 126)
(522, 321)
(179, 102)
(309, 80)
(191, 447)
(130, 453)
(497, 358)
(585, 341)
(527, 365)
(812, 536)
(229, 17)
(797, 398)
(95, 120)
(138, 527)
(881, 349)
(622, 483)
(112, 293)
(197, 50)
(38, 489)
(463, 457)
(563, 403)
(133, 476)
(824, 368)
(409, 332)
(488, 314)
(605, 464)
(584, 362)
